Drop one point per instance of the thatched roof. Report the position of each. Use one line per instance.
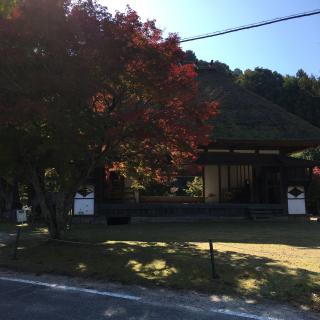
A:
(245, 116)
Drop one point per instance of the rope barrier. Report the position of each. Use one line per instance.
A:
(76, 242)
(216, 244)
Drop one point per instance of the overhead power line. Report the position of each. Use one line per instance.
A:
(251, 26)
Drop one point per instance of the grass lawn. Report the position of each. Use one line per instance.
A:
(7, 227)
(277, 260)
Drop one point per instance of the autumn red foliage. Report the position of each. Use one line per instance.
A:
(316, 172)
(132, 76)
(82, 87)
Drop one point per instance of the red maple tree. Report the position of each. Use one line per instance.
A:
(82, 88)
(316, 172)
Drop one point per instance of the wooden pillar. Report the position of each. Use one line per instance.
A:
(237, 175)
(284, 187)
(310, 178)
(266, 194)
(203, 183)
(307, 186)
(253, 186)
(211, 173)
(219, 175)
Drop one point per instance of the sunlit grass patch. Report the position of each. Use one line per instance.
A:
(82, 267)
(156, 269)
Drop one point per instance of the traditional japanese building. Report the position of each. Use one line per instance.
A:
(248, 167)
(249, 159)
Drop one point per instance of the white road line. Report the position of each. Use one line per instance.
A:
(242, 314)
(68, 288)
(130, 297)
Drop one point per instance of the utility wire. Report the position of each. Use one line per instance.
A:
(250, 26)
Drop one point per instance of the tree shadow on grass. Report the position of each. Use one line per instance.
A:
(298, 234)
(178, 265)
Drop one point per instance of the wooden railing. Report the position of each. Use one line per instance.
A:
(171, 199)
(183, 209)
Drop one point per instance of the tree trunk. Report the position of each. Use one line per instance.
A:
(46, 208)
(62, 209)
(56, 209)
(9, 197)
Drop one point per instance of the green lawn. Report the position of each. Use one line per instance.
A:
(277, 260)
(7, 227)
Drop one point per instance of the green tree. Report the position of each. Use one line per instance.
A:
(298, 94)
(195, 187)
(190, 57)
(237, 73)
(264, 82)
(6, 7)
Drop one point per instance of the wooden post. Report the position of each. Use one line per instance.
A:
(213, 269)
(69, 223)
(16, 244)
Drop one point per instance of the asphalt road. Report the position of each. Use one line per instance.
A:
(34, 302)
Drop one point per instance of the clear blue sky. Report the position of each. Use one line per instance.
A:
(285, 46)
